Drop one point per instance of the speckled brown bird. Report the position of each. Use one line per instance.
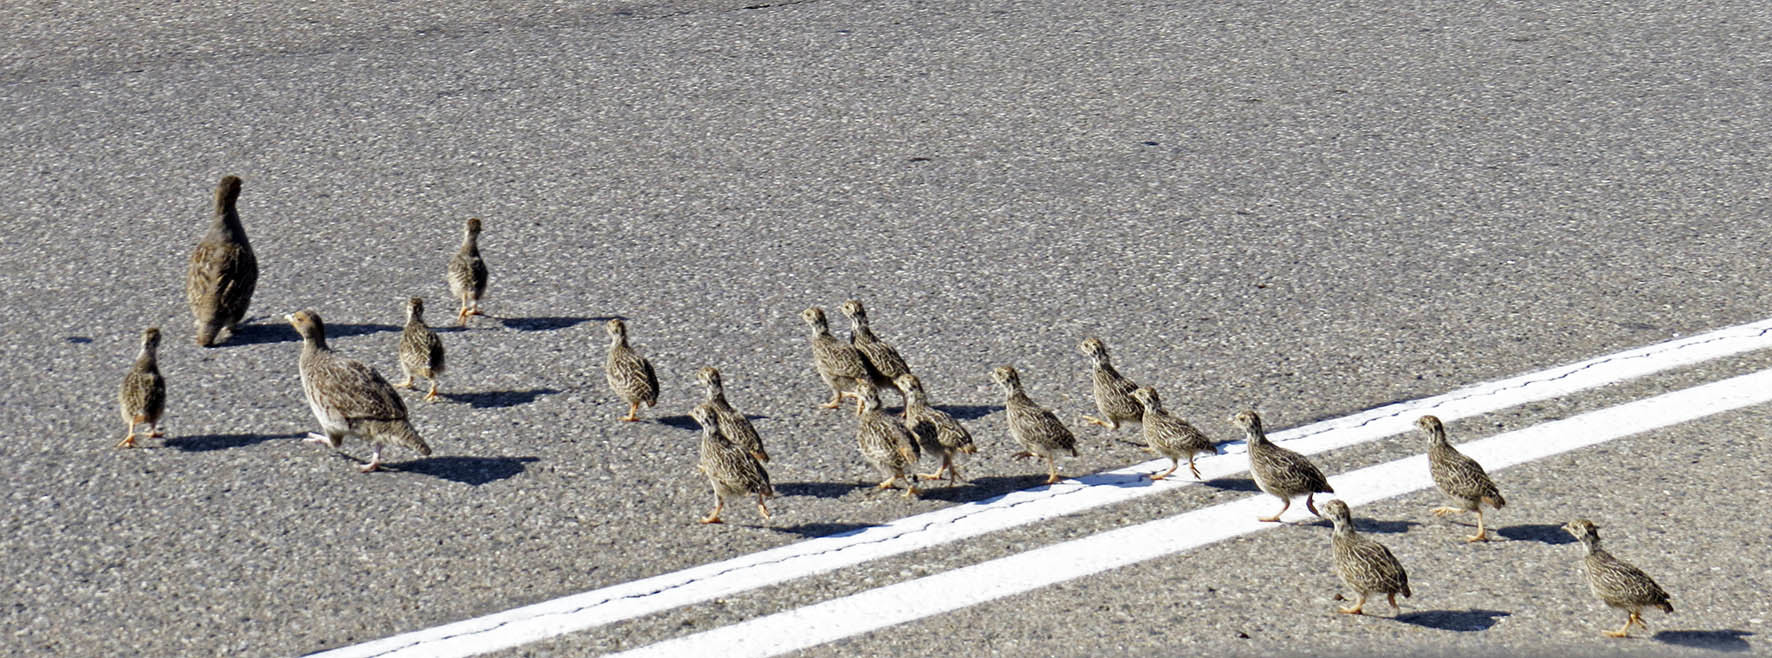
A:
(143, 396)
(1366, 566)
(1279, 471)
(223, 270)
(730, 469)
(1113, 391)
(1169, 436)
(733, 424)
(1458, 476)
(885, 364)
(937, 432)
(421, 351)
(467, 273)
(885, 443)
(1617, 583)
(1036, 428)
(349, 398)
(838, 363)
(628, 373)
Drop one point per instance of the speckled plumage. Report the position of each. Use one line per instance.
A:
(1170, 436)
(1458, 476)
(1113, 391)
(467, 273)
(730, 469)
(1616, 582)
(936, 431)
(142, 399)
(1366, 566)
(733, 425)
(1037, 429)
(223, 270)
(885, 364)
(421, 351)
(885, 443)
(629, 374)
(838, 363)
(1280, 471)
(350, 398)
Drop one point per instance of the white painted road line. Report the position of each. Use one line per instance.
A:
(811, 557)
(932, 595)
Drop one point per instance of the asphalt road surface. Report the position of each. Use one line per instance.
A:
(1303, 208)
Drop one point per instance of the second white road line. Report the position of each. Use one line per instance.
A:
(615, 603)
(951, 590)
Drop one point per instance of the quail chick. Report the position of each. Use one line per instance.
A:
(1113, 391)
(223, 271)
(1279, 471)
(884, 363)
(467, 273)
(629, 373)
(838, 363)
(733, 425)
(1037, 429)
(1458, 476)
(349, 398)
(143, 397)
(1619, 584)
(1366, 566)
(1170, 436)
(421, 351)
(885, 443)
(731, 470)
(936, 431)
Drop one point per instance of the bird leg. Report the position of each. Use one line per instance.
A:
(1392, 597)
(1110, 424)
(1482, 533)
(1173, 464)
(1358, 607)
(945, 463)
(432, 395)
(888, 484)
(374, 460)
(719, 503)
(323, 439)
(633, 413)
(461, 317)
(1312, 506)
(1052, 467)
(1286, 503)
(1446, 510)
(761, 508)
(910, 488)
(1624, 631)
(129, 439)
(406, 384)
(1192, 467)
(837, 396)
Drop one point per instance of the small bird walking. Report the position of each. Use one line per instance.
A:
(223, 270)
(733, 425)
(1366, 566)
(1113, 391)
(937, 432)
(884, 363)
(143, 397)
(349, 398)
(1169, 436)
(421, 351)
(1617, 583)
(1458, 476)
(467, 273)
(1280, 471)
(885, 443)
(629, 373)
(1036, 428)
(838, 363)
(730, 469)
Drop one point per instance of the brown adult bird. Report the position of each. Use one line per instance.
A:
(223, 271)
(731, 470)
(1366, 566)
(629, 373)
(349, 398)
(467, 273)
(1458, 476)
(421, 351)
(143, 397)
(885, 443)
(1113, 391)
(838, 363)
(1617, 583)
(1036, 428)
(1279, 471)
(733, 424)
(936, 431)
(884, 363)
(1169, 436)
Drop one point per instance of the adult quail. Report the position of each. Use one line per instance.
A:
(223, 271)
(884, 363)
(733, 425)
(936, 431)
(349, 398)
(1366, 566)
(838, 363)
(421, 351)
(143, 396)
(1113, 391)
(885, 443)
(629, 374)
(467, 273)
(1619, 584)
(1279, 471)
(731, 470)
(1170, 436)
(1037, 429)
(1458, 476)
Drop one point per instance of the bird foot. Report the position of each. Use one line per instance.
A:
(127, 442)
(1158, 476)
(1356, 610)
(710, 519)
(1269, 519)
(1054, 479)
(406, 384)
(1481, 536)
(912, 491)
(887, 484)
(1097, 421)
(432, 396)
(370, 467)
(318, 438)
(1616, 633)
(931, 476)
(1021, 455)
(1443, 511)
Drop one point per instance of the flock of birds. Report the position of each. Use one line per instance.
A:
(349, 398)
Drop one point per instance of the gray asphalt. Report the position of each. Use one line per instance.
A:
(1303, 209)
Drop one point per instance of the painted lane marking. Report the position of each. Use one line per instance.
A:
(637, 598)
(951, 590)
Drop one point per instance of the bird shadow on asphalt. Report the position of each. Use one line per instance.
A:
(208, 442)
(1372, 526)
(261, 330)
(553, 323)
(1732, 641)
(471, 471)
(818, 489)
(498, 399)
(977, 489)
(969, 411)
(810, 530)
(1233, 484)
(1547, 533)
(680, 421)
(1454, 620)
